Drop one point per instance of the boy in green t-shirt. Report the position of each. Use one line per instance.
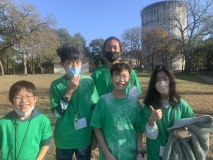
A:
(25, 133)
(116, 119)
(72, 98)
(112, 50)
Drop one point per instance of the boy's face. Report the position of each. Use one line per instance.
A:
(112, 46)
(71, 63)
(120, 80)
(24, 100)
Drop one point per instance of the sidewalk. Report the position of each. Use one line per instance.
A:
(204, 77)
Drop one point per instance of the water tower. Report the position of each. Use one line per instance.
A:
(160, 15)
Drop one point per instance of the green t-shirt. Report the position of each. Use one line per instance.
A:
(119, 120)
(101, 77)
(83, 100)
(24, 136)
(169, 116)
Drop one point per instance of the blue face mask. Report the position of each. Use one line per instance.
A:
(73, 72)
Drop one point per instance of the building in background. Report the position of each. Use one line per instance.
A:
(58, 69)
(159, 15)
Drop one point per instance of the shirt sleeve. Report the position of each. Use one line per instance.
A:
(151, 131)
(93, 76)
(145, 117)
(97, 120)
(138, 118)
(134, 80)
(0, 135)
(60, 109)
(46, 131)
(45, 142)
(186, 110)
(94, 97)
(55, 96)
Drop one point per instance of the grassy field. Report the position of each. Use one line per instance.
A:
(195, 91)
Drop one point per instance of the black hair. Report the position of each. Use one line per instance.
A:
(153, 96)
(119, 67)
(69, 52)
(18, 86)
(112, 38)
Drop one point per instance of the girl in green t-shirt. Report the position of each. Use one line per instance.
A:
(163, 106)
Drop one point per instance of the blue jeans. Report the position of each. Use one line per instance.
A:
(80, 153)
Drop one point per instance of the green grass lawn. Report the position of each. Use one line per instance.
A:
(195, 91)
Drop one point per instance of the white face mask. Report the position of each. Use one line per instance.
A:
(23, 114)
(162, 86)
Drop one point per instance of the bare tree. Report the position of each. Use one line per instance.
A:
(200, 23)
(5, 40)
(46, 47)
(95, 52)
(131, 38)
(24, 20)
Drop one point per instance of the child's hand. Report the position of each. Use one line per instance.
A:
(155, 115)
(110, 157)
(74, 82)
(176, 133)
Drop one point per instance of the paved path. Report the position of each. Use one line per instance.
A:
(204, 77)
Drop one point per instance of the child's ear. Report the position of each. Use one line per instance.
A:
(36, 98)
(62, 64)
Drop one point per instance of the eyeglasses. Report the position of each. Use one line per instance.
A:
(117, 78)
(19, 98)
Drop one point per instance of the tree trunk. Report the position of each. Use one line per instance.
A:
(7, 65)
(148, 60)
(41, 68)
(187, 61)
(186, 69)
(42, 71)
(2, 69)
(33, 68)
(208, 64)
(23, 58)
(152, 62)
(24, 62)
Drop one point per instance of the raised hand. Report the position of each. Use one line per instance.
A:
(74, 82)
(155, 115)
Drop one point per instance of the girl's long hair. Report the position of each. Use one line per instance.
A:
(153, 96)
